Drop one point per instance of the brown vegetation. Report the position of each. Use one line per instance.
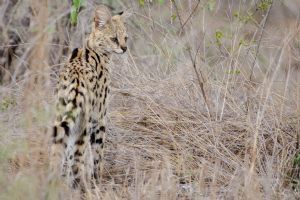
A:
(205, 104)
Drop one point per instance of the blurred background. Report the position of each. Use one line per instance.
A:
(205, 103)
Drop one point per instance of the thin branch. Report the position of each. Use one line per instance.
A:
(201, 82)
(193, 59)
(260, 39)
(177, 12)
(192, 13)
(256, 55)
(182, 24)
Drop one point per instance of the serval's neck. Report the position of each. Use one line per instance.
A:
(98, 60)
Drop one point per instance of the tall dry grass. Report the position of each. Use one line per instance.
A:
(205, 104)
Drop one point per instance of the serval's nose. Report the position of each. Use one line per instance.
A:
(124, 48)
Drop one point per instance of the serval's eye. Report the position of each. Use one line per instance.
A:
(126, 38)
(115, 40)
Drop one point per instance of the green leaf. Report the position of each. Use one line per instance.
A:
(264, 5)
(236, 14)
(173, 17)
(233, 72)
(297, 159)
(219, 35)
(211, 4)
(142, 2)
(161, 2)
(7, 103)
(73, 15)
(77, 4)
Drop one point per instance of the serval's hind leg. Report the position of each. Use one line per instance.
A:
(58, 148)
(97, 144)
(78, 168)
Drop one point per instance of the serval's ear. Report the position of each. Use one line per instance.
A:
(102, 16)
(125, 14)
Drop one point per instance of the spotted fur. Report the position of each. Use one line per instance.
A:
(82, 92)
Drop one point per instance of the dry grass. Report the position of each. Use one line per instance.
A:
(164, 140)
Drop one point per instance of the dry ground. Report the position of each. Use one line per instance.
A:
(205, 104)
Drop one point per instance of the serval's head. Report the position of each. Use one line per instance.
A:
(108, 33)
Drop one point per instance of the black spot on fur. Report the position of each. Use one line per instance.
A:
(76, 183)
(78, 154)
(74, 54)
(102, 128)
(75, 170)
(54, 131)
(80, 142)
(100, 75)
(65, 126)
(96, 161)
(87, 52)
(74, 102)
(75, 90)
(93, 138)
(98, 57)
(80, 93)
(94, 60)
(99, 141)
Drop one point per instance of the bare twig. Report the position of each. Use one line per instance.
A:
(191, 14)
(194, 58)
(177, 13)
(256, 53)
(260, 39)
(200, 80)
(182, 24)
